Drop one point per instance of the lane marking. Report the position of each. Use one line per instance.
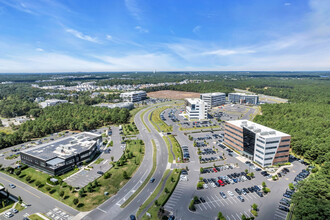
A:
(101, 210)
(22, 188)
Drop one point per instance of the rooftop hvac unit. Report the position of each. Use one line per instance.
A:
(264, 133)
(257, 130)
(272, 132)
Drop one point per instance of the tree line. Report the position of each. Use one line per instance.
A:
(62, 117)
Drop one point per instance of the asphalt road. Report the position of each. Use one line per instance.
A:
(38, 201)
(111, 208)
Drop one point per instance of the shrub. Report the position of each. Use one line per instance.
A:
(28, 178)
(192, 206)
(61, 193)
(220, 216)
(254, 206)
(315, 169)
(200, 185)
(254, 212)
(75, 201)
(107, 175)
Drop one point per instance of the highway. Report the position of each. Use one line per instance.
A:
(111, 208)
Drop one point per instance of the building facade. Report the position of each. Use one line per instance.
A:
(196, 109)
(52, 102)
(62, 155)
(128, 105)
(135, 96)
(243, 98)
(259, 143)
(213, 99)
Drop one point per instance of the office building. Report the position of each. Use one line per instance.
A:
(135, 96)
(263, 145)
(52, 102)
(243, 98)
(196, 109)
(214, 99)
(62, 155)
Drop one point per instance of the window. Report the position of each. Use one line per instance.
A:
(267, 164)
(282, 151)
(269, 153)
(260, 146)
(272, 142)
(286, 140)
(285, 145)
(282, 156)
(268, 148)
(259, 157)
(268, 158)
(233, 128)
(260, 140)
(259, 151)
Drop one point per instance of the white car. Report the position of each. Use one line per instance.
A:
(230, 193)
(9, 214)
(205, 186)
(213, 185)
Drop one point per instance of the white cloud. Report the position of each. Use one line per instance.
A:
(141, 29)
(133, 9)
(287, 4)
(196, 29)
(82, 36)
(224, 52)
(109, 37)
(39, 49)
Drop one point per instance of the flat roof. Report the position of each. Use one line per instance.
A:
(63, 148)
(134, 92)
(263, 131)
(242, 94)
(195, 100)
(213, 93)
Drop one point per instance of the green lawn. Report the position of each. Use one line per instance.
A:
(130, 129)
(201, 128)
(36, 217)
(14, 156)
(155, 118)
(162, 199)
(19, 207)
(89, 200)
(146, 181)
(98, 161)
(71, 172)
(176, 147)
(170, 155)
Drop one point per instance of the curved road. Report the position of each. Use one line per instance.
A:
(111, 208)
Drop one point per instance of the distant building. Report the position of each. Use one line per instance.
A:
(52, 102)
(39, 99)
(214, 99)
(196, 109)
(135, 96)
(259, 143)
(62, 155)
(243, 98)
(128, 105)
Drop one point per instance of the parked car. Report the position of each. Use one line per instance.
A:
(260, 194)
(202, 199)
(230, 193)
(223, 195)
(283, 208)
(240, 198)
(12, 186)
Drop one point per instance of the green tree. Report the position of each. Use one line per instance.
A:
(291, 186)
(220, 216)
(263, 184)
(125, 175)
(20, 200)
(254, 206)
(75, 201)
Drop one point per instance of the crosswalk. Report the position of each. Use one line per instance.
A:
(176, 195)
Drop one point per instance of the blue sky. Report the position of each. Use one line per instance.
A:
(137, 35)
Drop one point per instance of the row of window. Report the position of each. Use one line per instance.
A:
(285, 145)
(282, 151)
(268, 148)
(260, 146)
(286, 140)
(259, 151)
(259, 157)
(268, 158)
(267, 164)
(272, 142)
(269, 153)
(260, 140)
(233, 137)
(233, 128)
(233, 143)
(282, 156)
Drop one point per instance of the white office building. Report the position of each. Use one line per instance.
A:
(196, 109)
(52, 102)
(135, 96)
(214, 99)
(243, 98)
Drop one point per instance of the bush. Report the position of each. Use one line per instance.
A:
(220, 216)
(48, 188)
(291, 186)
(192, 206)
(107, 175)
(200, 185)
(61, 193)
(28, 178)
(266, 190)
(75, 201)
(254, 212)
(254, 206)
(315, 169)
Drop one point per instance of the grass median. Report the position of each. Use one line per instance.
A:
(159, 124)
(175, 147)
(170, 185)
(168, 144)
(154, 160)
(94, 194)
(141, 116)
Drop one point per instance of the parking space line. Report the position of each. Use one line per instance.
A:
(219, 199)
(207, 203)
(234, 200)
(216, 201)
(228, 218)
(204, 206)
(234, 217)
(239, 216)
(200, 207)
(247, 215)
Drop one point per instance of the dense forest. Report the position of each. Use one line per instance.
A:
(62, 117)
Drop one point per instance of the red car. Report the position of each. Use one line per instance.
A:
(215, 170)
(221, 183)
